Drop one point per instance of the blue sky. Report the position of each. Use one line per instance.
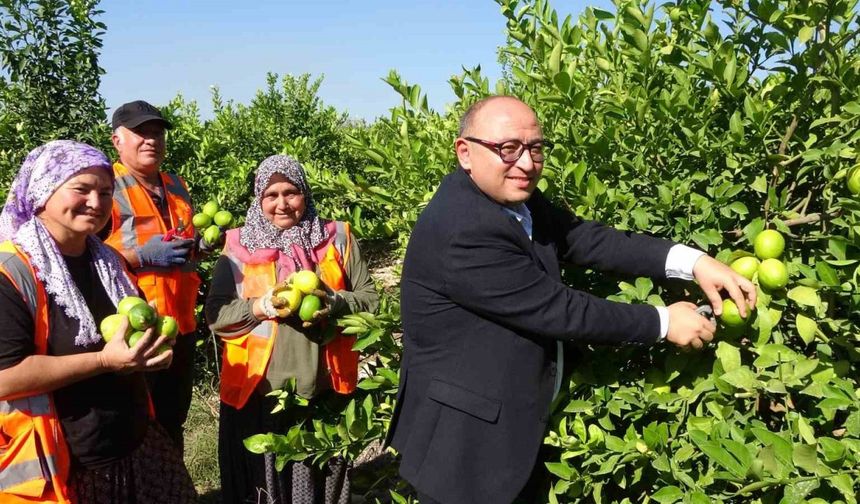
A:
(154, 49)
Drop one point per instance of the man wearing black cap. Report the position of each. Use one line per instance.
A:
(151, 227)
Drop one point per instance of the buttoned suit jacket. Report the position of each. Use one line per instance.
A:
(482, 308)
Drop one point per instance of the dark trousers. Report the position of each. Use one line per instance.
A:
(170, 389)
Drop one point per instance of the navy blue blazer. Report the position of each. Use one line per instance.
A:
(482, 307)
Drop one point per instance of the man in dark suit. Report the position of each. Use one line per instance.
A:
(484, 311)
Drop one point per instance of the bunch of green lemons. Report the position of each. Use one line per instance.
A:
(140, 317)
(212, 221)
(299, 294)
(765, 268)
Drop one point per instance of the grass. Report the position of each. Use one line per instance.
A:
(201, 446)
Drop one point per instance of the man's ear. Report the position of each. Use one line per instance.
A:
(461, 147)
(115, 140)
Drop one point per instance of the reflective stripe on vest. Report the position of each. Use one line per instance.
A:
(34, 458)
(33, 405)
(135, 219)
(246, 357)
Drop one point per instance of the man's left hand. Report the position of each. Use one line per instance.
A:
(714, 276)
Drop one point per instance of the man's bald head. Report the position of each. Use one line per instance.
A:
(474, 113)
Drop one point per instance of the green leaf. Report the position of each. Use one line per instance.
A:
(736, 126)
(832, 449)
(729, 71)
(555, 58)
(852, 108)
(742, 378)
(258, 443)
(826, 274)
(560, 469)
(729, 356)
(805, 296)
(805, 34)
(759, 184)
(844, 484)
(806, 328)
(805, 457)
(668, 495)
(805, 430)
(562, 82)
(718, 454)
(641, 40)
(782, 448)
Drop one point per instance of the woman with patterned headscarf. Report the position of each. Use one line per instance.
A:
(267, 346)
(74, 413)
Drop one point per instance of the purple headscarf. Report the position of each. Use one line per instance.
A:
(260, 233)
(44, 170)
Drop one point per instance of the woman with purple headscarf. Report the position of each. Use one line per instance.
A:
(56, 281)
(267, 347)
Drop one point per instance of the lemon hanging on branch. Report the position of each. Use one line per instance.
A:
(769, 244)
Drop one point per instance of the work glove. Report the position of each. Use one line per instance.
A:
(205, 249)
(157, 252)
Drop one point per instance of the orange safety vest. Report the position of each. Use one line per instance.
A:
(245, 358)
(135, 220)
(34, 458)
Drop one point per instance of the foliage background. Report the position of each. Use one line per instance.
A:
(700, 121)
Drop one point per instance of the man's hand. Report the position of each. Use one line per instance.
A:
(687, 328)
(157, 252)
(143, 356)
(714, 276)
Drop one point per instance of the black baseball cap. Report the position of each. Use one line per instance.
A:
(133, 114)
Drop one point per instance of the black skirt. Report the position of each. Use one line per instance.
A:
(152, 474)
(244, 474)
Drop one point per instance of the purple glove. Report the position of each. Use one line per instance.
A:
(157, 252)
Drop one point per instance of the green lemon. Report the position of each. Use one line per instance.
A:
(731, 316)
(854, 181)
(212, 234)
(110, 325)
(211, 208)
(772, 274)
(746, 267)
(306, 281)
(135, 336)
(769, 244)
(129, 302)
(223, 219)
(310, 304)
(141, 317)
(167, 326)
(201, 220)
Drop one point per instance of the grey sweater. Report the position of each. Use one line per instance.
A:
(296, 353)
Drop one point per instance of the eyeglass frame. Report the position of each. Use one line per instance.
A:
(497, 148)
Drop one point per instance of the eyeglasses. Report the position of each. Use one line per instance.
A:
(510, 151)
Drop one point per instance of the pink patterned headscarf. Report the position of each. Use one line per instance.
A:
(260, 233)
(44, 170)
